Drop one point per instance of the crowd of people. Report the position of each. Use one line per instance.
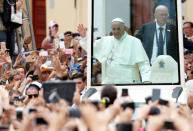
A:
(60, 59)
(32, 113)
(63, 57)
(188, 48)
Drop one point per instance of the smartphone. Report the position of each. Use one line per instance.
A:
(128, 104)
(154, 111)
(124, 92)
(147, 99)
(18, 98)
(35, 77)
(32, 109)
(40, 121)
(19, 114)
(124, 127)
(68, 51)
(169, 125)
(177, 91)
(43, 53)
(2, 127)
(163, 102)
(155, 95)
(75, 113)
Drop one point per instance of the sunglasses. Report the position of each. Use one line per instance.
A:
(33, 95)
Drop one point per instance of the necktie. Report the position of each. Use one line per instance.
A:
(161, 42)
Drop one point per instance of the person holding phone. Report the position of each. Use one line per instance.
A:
(51, 41)
(122, 56)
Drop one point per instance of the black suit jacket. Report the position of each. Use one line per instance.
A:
(188, 44)
(146, 35)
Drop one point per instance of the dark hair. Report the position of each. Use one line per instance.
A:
(27, 66)
(68, 32)
(38, 49)
(79, 75)
(75, 34)
(188, 22)
(29, 73)
(19, 66)
(110, 92)
(12, 91)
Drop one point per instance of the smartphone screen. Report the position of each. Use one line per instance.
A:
(124, 92)
(155, 94)
(169, 125)
(40, 121)
(43, 53)
(68, 51)
(19, 115)
(177, 91)
(124, 127)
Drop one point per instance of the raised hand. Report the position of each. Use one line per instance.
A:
(18, 60)
(8, 58)
(61, 69)
(82, 30)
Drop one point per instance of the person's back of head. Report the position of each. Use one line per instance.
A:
(109, 92)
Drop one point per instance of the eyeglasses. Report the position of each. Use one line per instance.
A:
(33, 95)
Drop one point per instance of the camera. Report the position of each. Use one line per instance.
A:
(18, 98)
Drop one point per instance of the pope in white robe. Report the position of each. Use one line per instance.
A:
(123, 58)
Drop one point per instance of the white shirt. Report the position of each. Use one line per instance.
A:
(122, 60)
(155, 48)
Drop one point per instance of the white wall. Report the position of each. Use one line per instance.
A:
(66, 14)
(99, 18)
(117, 8)
(105, 11)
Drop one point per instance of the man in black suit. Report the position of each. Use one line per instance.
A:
(159, 37)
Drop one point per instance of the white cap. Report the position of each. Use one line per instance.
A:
(118, 20)
(52, 23)
(39, 85)
(61, 36)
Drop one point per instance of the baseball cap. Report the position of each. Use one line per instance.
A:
(44, 67)
(52, 23)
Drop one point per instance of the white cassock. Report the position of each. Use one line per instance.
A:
(122, 60)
